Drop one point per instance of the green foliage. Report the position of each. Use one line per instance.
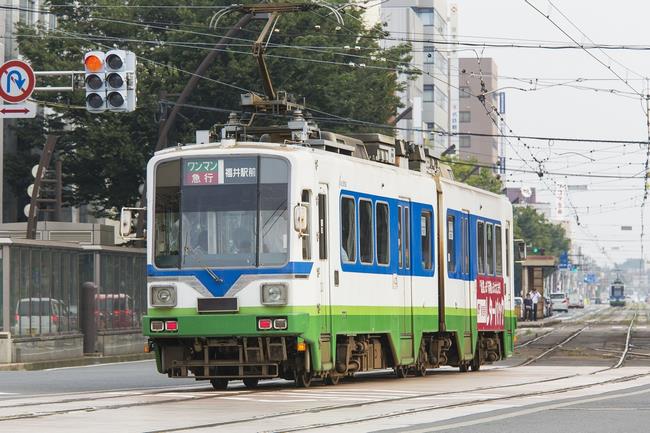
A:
(468, 172)
(537, 231)
(105, 155)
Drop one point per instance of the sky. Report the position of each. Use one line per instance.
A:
(566, 111)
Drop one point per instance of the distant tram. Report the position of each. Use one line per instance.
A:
(617, 294)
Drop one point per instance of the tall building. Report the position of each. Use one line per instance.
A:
(479, 77)
(426, 99)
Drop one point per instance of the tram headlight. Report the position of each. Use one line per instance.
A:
(163, 296)
(274, 294)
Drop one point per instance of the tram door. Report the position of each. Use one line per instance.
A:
(404, 276)
(323, 260)
(466, 251)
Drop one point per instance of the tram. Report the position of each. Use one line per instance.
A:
(617, 294)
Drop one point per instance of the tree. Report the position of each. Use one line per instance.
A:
(537, 231)
(472, 174)
(105, 155)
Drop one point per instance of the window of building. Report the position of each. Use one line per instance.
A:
(366, 247)
(465, 141)
(498, 250)
(464, 92)
(382, 224)
(429, 51)
(425, 240)
(425, 15)
(489, 248)
(348, 230)
(480, 235)
(427, 95)
(465, 116)
(441, 62)
(440, 98)
(439, 23)
(451, 249)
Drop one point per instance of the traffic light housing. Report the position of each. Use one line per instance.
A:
(94, 81)
(110, 81)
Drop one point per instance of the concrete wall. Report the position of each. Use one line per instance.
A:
(120, 343)
(47, 348)
(5, 347)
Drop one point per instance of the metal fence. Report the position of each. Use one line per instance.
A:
(41, 283)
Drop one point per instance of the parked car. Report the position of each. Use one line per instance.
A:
(576, 301)
(40, 316)
(114, 310)
(560, 302)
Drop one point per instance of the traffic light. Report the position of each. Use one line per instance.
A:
(95, 88)
(110, 81)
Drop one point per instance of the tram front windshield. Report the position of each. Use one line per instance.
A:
(221, 212)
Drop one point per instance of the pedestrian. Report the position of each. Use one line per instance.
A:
(528, 307)
(534, 297)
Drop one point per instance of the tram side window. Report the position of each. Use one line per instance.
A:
(480, 234)
(451, 249)
(400, 255)
(383, 234)
(489, 248)
(348, 230)
(366, 247)
(465, 247)
(425, 235)
(498, 250)
(407, 238)
(306, 238)
(508, 252)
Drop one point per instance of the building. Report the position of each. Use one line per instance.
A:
(426, 117)
(479, 77)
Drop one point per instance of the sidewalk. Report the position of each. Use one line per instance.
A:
(541, 323)
(75, 362)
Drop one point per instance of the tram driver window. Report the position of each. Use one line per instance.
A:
(348, 230)
(480, 234)
(451, 250)
(425, 236)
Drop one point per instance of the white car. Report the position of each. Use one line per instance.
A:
(40, 316)
(560, 301)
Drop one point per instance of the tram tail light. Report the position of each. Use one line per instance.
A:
(157, 326)
(280, 324)
(264, 324)
(171, 325)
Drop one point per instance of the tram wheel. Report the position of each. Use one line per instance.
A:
(303, 379)
(219, 384)
(463, 367)
(332, 379)
(401, 371)
(421, 370)
(476, 363)
(251, 382)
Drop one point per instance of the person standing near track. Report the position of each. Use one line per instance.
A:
(534, 297)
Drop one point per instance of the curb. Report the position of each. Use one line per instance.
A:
(538, 324)
(75, 362)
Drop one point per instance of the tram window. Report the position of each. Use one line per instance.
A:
(498, 250)
(306, 238)
(366, 247)
(382, 233)
(489, 248)
(348, 230)
(465, 247)
(400, 253)
(451, 247)
(407, 238)
(507, 252)
(322, 226)
(480, 234)
(425, 237)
